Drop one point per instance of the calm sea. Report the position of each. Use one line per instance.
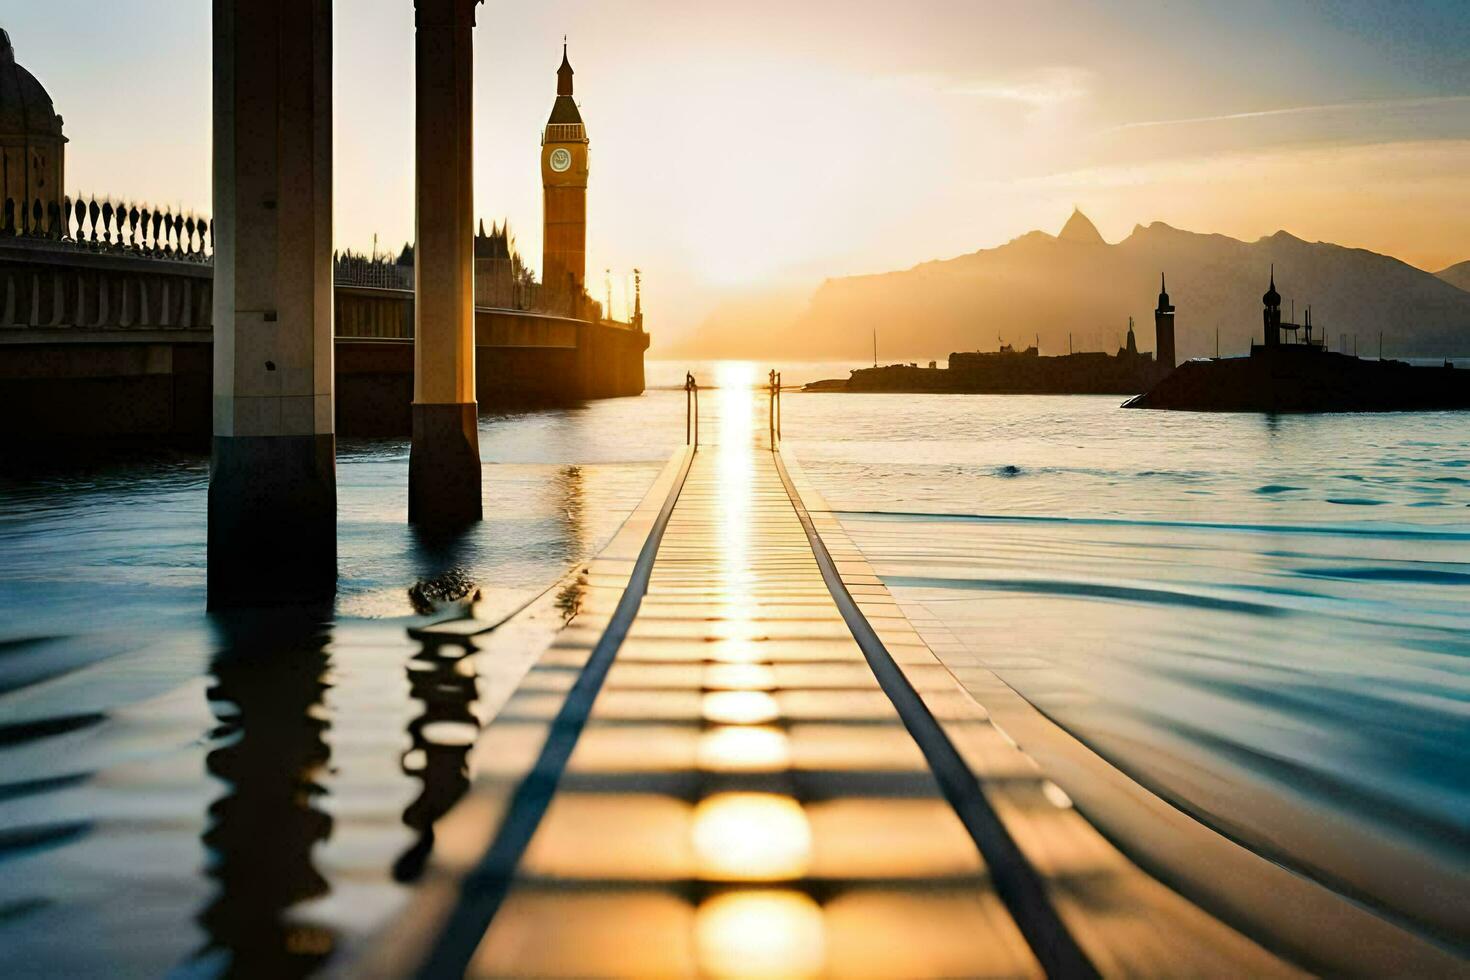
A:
(1265, 620)
(1262, 619)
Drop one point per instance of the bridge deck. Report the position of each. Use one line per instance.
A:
(757, 768)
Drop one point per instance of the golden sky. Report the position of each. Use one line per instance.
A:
(768, 145)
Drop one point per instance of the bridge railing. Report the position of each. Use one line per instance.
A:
(114, 227)
(62, 240)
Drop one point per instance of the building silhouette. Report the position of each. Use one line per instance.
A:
(1282, 334)
(564, 181)
(109, 305)
(1271, 313)
(1164, 328)
(1291, 370)
(502, 280)
(32, 147)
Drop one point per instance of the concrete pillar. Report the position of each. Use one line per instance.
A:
(444, 463)
(272, 476)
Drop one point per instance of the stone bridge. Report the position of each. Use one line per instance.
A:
(97, 344)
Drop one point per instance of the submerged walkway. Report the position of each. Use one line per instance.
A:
(740, 759)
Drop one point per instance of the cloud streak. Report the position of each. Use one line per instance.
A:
(1432, 102)
(1039, 90)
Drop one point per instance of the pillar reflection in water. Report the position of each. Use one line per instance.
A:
(442, 677)
(270, 678)
(575, 541)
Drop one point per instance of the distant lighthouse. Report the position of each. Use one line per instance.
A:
(564, 181)
(1164, 327)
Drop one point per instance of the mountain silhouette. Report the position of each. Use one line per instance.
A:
(1457, 275)
(1050, 287)
(1080, 229)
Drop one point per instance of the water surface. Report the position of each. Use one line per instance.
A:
(1264, 619)
(1261, 619)
(247, 792)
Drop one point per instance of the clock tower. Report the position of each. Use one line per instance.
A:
(564, 181)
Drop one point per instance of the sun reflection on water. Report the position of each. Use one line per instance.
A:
(740, 707)
(747, 677)
(747, 836)
(751, 837)
(744, 749)
(760, 934)
(735, 382)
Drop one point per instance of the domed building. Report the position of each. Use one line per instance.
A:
(32, 148)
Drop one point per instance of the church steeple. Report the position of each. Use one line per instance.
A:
(564, 73)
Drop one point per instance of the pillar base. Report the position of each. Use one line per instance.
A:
(444, 465)
(272, 520)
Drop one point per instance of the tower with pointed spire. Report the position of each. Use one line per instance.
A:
(564, 183)
(1164, 327)
(1272, 312)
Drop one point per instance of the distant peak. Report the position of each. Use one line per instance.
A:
(1081, 230)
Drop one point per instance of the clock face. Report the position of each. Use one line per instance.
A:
(561, 159)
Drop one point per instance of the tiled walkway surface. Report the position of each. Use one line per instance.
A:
(742, 798)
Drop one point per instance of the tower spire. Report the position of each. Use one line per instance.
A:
(1272, 312)
(1164, 328)
(564, 73)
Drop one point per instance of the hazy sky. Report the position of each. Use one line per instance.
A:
(761, 144)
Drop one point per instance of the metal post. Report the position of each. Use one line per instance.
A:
(778, 406)
(771, 408)
(691, 420)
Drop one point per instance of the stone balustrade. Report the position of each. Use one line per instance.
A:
(46, 287)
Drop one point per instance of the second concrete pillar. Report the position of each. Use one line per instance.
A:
(444, 463)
